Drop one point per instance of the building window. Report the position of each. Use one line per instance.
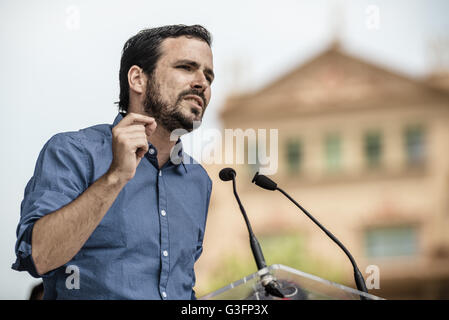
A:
(414, 145)
(294, 155)
(398, 241)
(333, 152)
(373, 149)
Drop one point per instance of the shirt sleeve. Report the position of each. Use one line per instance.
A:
(60, 176)
(199, 248)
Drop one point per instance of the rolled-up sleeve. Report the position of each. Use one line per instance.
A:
(60, 176)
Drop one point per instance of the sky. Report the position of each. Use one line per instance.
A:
(59, 63)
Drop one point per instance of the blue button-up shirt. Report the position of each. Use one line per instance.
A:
(146, 245)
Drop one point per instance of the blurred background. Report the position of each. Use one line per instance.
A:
(358, 91)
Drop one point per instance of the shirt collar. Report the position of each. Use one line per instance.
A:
(178, 159)
(117, 119)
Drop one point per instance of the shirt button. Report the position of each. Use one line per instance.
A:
(163, 213)
(164, 294)
(160, 173)
(165, 253)
(151, 151)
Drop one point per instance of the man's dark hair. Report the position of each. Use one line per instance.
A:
(143, 50)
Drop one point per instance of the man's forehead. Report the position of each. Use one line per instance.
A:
(185, 48)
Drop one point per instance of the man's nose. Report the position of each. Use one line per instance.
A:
(199, 82)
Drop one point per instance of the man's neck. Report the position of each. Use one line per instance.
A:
(160, 139)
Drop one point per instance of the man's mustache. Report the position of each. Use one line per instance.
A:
(195, 92)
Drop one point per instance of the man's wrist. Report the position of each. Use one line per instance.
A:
(114, 180)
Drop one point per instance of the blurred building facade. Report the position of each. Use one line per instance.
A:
(366, 151)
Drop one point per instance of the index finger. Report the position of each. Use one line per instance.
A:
(135, 118)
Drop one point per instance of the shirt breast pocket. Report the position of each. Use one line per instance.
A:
(109, 233)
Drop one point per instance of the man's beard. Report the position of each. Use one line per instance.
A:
(171, 116)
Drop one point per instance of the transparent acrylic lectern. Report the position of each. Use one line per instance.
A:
(295, 285)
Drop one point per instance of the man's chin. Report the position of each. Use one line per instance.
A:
(191, 121)
(188, 124)
(192, 125)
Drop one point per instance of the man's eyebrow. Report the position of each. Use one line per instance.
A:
(196, 65)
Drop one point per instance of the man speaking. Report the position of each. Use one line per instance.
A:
(111, 211)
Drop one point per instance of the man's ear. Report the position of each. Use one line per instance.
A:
(137, 79)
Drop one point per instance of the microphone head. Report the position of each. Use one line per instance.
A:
(264, 182)
(227, 174)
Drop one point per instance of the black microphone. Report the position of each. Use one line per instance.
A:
(268, 281)
(266, 183)
(227, 174)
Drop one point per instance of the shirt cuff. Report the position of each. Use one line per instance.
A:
(24, 261)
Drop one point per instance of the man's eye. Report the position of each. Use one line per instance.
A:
(184, 67)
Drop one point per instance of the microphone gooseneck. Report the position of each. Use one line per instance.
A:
(266, 183)
(268, 281)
